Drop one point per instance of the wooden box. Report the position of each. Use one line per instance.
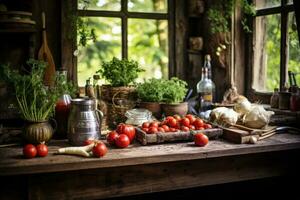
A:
(160, 137)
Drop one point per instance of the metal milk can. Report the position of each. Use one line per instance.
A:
(84, 121)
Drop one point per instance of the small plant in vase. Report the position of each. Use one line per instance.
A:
(35, 100)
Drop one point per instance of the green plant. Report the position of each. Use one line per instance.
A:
(220, 15)
(151, 90)
(174, 90)
(36, 101)
(120, 72)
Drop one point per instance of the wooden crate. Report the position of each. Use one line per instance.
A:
(160, 137)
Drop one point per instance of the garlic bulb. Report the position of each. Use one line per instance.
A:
(242, 105)
(223, 115)
(257, 117)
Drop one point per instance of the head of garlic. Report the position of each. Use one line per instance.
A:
(257, 117)
(242, 105)
(224, 116)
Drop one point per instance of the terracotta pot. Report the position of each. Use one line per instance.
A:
(37, 132)
(154, 107)
(173, 109)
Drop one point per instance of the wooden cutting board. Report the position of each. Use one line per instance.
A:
(239, 136)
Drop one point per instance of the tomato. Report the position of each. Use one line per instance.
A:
(145, 129)
(200, 128)
(192, 127)
(29, 151)
(173, 129)
(206, 126)
(160, 129)
(152, 130)
(185, 121)
(111, 137)
(145, 125)
(192, 118)
(165, 122)
(154, 124)
(42, 150)
(122, 141)
(198, 123)
(184, 128)
(177, 117)
(166, 128)
(126, 129)
(172, 122)
(88, 142)
(99, 150)
(200, 139)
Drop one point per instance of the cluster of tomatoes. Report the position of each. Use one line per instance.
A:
(31, 151)
(122, 136)
(175, 123)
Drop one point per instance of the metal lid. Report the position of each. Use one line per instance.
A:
(81, 101)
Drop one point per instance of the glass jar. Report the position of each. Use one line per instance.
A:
(138, 116)
(274, 101)
(295, 101)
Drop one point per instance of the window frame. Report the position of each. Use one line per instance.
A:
(283, 9)
(69, 44)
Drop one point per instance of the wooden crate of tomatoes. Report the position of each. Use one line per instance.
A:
(175, 128)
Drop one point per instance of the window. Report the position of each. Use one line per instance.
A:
(132, 29)
(275, 45)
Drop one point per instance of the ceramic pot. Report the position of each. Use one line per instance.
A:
(37, 132)
(173, 109)
(153, 107)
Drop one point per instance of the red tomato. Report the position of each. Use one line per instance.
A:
(88, 142)
(172, 122)
(154, 124)
(164, 122)
(206, 126)
(166, 128)
(122, 141)
(145, 125)
(177, 117)
(126, 129)
(185, 128)
(152, 130)
(200, 139)
(160, 129)
(198, 123)
(200, 128)
(99, 150)
(192, 118)
(185, 121)
(111, 137)
(42, 150)
(29, 151)
(173, 129)
(192, 127)
(145, 129)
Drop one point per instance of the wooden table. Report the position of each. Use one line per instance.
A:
(144, 169)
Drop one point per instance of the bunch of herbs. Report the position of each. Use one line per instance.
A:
(174, 90)
(151, 90)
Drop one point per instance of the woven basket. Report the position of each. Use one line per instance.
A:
(108, 93)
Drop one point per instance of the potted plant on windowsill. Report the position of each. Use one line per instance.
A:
(173, 96)
(36, 101)
(150, 94)
(119, 95)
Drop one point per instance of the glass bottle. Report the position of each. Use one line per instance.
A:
(205, 87)
(274, 101)
(295, 100)
(62, 109)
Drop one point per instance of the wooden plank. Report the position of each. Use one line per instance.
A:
(13, 163)
(122, 181)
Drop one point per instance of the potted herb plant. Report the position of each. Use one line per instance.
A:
(150, 93)
(119, 95)
(36, 102)
(173, 96)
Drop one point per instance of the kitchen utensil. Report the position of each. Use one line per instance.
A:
(84, 121)
(46, 55)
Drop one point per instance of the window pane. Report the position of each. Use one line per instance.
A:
(113, 5)
(267, 3)
(148, 44)
(106, 46)
(155, 6)
(266, 70)
(294, 56)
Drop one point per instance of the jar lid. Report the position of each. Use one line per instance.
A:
(81, 101)
(138, 113)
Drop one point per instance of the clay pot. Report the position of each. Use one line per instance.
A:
(37, 132)
(173, 109)
(153, 107)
